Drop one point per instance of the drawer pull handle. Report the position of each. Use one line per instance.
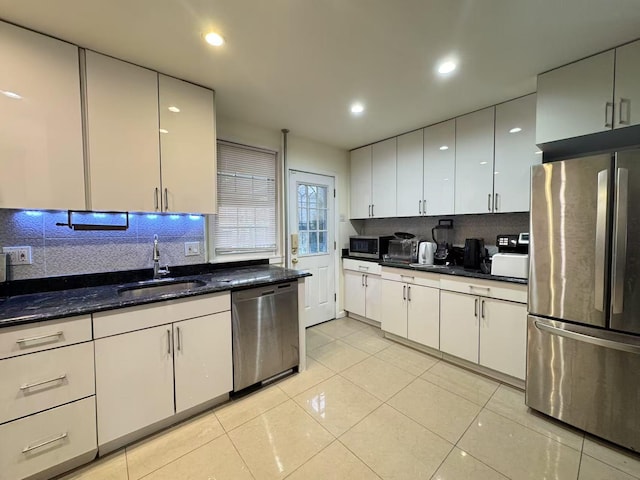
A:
(27, 386)
(39, 337)
(29, 448)
(473, 287)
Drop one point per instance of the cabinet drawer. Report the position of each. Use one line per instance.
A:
(361, 266)
(36, 382)
(39, 336)
(146, 316)
(426, 279)
(486, 288)
(39, 442)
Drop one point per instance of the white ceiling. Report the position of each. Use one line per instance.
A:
(298, 64)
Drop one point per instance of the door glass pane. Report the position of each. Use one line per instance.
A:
(303, 243)
(322, 242)
(312, 219)
(322, 219)
(313, 242)
(322, 197)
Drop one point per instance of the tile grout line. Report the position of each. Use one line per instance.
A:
(241, 457)
(256, 416)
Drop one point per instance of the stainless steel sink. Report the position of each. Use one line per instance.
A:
(158, 288)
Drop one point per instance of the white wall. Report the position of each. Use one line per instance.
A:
(305, 155)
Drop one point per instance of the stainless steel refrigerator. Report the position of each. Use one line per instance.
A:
(583, 344)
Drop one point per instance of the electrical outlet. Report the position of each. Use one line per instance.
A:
(18, 255)
(191, 249)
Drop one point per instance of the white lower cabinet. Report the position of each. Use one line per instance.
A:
(503, 336)
(459, 325)
(148, 375)
(487, 331)
(362, 288)
(411, 311)
(39, 442)
(203, 359)
(134, 381)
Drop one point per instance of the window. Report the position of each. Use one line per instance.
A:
(247, 201)
(312, 219)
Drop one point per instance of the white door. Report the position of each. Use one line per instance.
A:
(372, 296)
(312, 226)
(409, 175)
(439, 168)
(393, 307)
(459, 325)
(383, 178)
(423, 315)
(627, 88)
(360, 183)
(354, 292)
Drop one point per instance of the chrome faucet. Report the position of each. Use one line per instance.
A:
(158, 272)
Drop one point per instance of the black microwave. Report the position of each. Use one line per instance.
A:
(369, 246)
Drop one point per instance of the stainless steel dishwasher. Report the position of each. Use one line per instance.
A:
(265, 333)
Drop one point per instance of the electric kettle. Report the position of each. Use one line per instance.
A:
(426, 253)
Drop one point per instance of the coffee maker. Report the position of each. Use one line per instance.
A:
(442, 235)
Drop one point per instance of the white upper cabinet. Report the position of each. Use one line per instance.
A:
(187, 147)
(123, 137)
(360, 182)
(409, 180)
(439, 168)
(474, 162)
(41, 159)
(515, 153)
(576, 99)
(383, 179)
(627, 86)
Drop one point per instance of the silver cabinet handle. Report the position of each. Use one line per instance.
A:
(627, 103)
(179, 338)
(360, 267)
(404, 292)
(482, 309)
(27, 386)
(419, 207)
(156, 204)
(475, 308)
(495, 201)
(369, 210)
(581, 337)
(601, 238)
(28, 448)
(489, 202)
(424, 207)
(166, 199)
(39, 337)
(366, 280)
(620, 240)
(372, 209)
(475, 287)
(608, 117)
(363, 279)
(409, 293)
(169, 341)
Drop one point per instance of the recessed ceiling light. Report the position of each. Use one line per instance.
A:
(164, 130)
(174, 109)
(444, 147)
(357, 108)
(9, 94)
(483, 163)
(447, 66)
(215, 39)
(515, 130)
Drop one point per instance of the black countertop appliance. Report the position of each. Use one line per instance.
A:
(474, 253)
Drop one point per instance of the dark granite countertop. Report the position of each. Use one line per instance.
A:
(48, 305)
(457, 271)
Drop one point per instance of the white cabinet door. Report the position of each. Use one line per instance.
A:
(423, 315)
(134, 381)
(393, 307)
(383, 179)
(474, 162)
(354, 293)
(439, 168)
(515, 153)
(203, 360)
(360, 183)
(123, 137)
(576, 99)
(627, 89)
(459, 325)
(188, 147)
(409, 180)
(41, 159)
(503, 336)
(372, 296)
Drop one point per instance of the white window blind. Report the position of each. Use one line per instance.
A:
(247, 203)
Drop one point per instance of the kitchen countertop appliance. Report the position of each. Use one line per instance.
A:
(365, 246)
(426, 252)
(512, 259)
(474, 253)
(264, 325)
(403, 248)
(583, 352)
(442, 235)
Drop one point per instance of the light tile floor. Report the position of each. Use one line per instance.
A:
(368, 408)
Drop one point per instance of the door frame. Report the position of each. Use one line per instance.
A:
(336, 225)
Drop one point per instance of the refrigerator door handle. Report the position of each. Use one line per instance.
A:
(620, 240)
(581, 337)
(601, 239)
